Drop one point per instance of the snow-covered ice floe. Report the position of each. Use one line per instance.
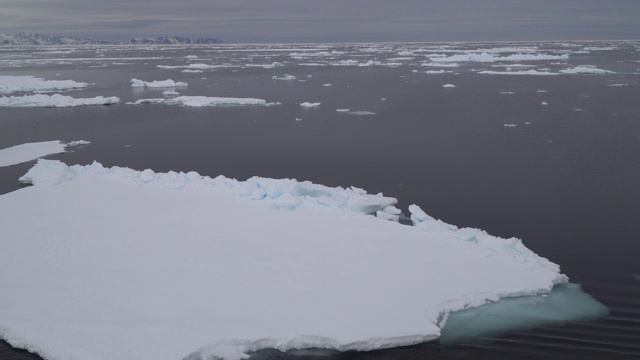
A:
(158, 83)
(9, 84)
(200, 101)
(55, 100)
(127, 264)
(30, 151)
(586, 69)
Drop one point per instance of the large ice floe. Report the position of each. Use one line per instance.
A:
(490, 57)
(201, 101)
(119, 264)
(157, 83)
(10, 84)
(55, 100)
(518, 72)
(30, 151)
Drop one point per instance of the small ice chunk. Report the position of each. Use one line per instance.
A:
(307, 104)
(361, 113)
(170, 93)
(327, 85)
(586, 70)
(448, 86)
(343, 110)
(544, 103)
(510, 125)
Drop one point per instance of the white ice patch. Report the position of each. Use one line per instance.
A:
(119, 264)
(9, 84)
(448, 86)
(55, 100)
(510, 125)
(442, 65)
(188, 71)
(587, 70)
(158, 83)
(544, 103)
(200, 101)
(170, 93)
(26, 152)
(360, 113)
(307, 104)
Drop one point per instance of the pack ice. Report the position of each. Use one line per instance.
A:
(114, 263)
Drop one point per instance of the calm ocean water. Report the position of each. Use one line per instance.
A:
(565, 179)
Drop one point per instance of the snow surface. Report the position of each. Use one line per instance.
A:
(30, 151)
(55, 100)
(9, 84)
(115, 264)
(157, 83)
(200, 101)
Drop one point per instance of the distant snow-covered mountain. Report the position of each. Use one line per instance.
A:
(24, 38)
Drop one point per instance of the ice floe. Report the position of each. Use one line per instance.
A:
(360, 113)
(448, 86)
(197, 66)
(544, 103)
(55, 100)
(587, 70)
(30, 151)
(284, 77)
(9, 84)
(201, 101)
(307, 104)
(158, 83)
(490, 57)
(521, 72)
(118, 264)
(510, 125)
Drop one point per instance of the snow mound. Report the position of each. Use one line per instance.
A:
(55, 100)
(157, 83)
(200, 101)
(127, 264)
(30, 151)
(587, 70)
(9, 84)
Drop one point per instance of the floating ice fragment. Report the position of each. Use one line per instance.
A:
(9, 84)
(170, 93)
(55, 100)
(488, 57)
(188, 71)
(541, 91)
(30, 151)
(343, 110)
(510, 125)
(157, 83)
(523, 72)
(587, 70)
(361, 113)
(327, 85)
(448, 86)
(307, 104)
(544, 103)
(618, 85)
(200, 101)
(284, 77)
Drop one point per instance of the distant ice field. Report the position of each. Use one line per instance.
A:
(483, 153)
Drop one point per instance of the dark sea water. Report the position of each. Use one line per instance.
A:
(565, 179)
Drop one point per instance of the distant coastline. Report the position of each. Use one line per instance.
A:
(25, 38)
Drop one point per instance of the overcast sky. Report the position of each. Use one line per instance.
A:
(242, 21)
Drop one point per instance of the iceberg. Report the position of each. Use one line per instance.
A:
(587, 70)
(30, 151)
(157, 83)
(118, 264)
(55, 100)
(200, 101)
(9, 84)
